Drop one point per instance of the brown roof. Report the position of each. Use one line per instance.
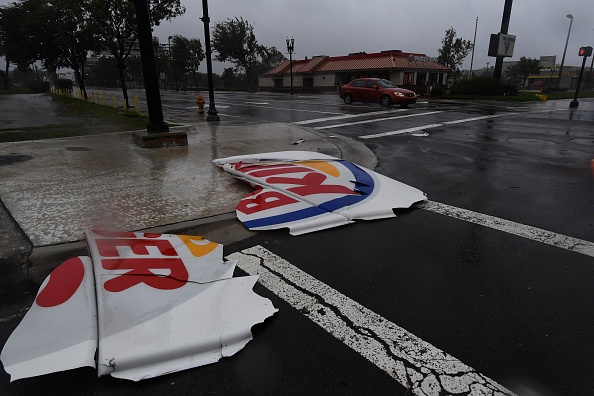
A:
(363, 61)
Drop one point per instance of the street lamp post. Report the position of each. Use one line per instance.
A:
(171, 62)
(212, 111)
(591, 78)
(565, 50)
(290, 49)
(473, 45)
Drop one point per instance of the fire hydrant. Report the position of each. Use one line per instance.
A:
(200, 102)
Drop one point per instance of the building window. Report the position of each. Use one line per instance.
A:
(278, 82)
(421, 78)
(308, 82)
(409, 78)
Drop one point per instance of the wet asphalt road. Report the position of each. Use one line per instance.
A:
(514, 309)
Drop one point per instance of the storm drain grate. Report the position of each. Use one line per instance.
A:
(6, 160)
(78, 148)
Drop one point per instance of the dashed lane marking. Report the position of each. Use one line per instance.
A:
(345, 116)
(536, 234)
(414, 363)
(423, 127)
(378, 120)
(430, 126)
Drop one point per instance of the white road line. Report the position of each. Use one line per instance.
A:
(411, 361)
(423, 127)
(536, 234)
(345, 116)
(378, 120)
(285, 108)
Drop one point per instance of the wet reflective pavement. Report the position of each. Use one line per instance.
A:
(505, 301)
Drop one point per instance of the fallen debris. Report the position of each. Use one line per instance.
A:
(307, 191)
(152, 304)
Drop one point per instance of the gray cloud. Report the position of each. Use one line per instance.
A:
(337, 27)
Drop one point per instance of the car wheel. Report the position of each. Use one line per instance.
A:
(385, 101)
(348, 98)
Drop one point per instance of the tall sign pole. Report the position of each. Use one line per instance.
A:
(157, 132)
(504, 28)
(473, 46)
(212, 110)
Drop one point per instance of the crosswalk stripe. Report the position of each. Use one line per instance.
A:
(379, 120)
(345, 116)
(536, 234)
(414, 363)
(423, 127)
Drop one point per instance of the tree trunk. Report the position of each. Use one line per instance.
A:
(195, 79)
(81, 82)
(121, 70)
(6, 85)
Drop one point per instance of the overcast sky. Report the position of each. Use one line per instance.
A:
(338, 27)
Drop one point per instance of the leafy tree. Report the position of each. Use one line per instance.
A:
(272, 57)
(186, 55)
(524, 68)
(117, 23)
(73, 37)
(104, 72)
(453, 51)
(196, 57)
(234, 41)
(65, 42)
(14, 34)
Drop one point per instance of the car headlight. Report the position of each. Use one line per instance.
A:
(398, 94)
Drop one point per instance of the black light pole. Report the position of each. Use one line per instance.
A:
(585, 52)
(290, 49)
(212, 111)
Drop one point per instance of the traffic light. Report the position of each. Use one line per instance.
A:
(585, 51)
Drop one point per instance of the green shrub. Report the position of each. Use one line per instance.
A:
(64, 83)
(38, 86)
(482, 86)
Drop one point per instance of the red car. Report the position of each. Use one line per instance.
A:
(376, 90)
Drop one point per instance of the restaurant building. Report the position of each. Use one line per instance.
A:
(328, 73)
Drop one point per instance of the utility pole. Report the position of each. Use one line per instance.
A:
(565, 50)
(504, 28)
(473, 45)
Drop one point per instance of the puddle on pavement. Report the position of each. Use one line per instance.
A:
(532, 142)
(78, 148)
(585, 142)
(6, 160)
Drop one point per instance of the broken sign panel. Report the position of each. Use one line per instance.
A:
(165, 303)
(306, 191)
(59, 332)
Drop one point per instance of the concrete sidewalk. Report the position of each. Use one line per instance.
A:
(56, 189)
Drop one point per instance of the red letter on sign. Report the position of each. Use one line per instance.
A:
(107, 247)
(263, 201)
(311, 184)
(63, 282)
(140, 272)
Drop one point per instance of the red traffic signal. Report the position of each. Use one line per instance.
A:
(586, 51)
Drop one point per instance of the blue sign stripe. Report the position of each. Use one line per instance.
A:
(364, 185)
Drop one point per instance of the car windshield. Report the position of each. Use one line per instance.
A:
(386, 84)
